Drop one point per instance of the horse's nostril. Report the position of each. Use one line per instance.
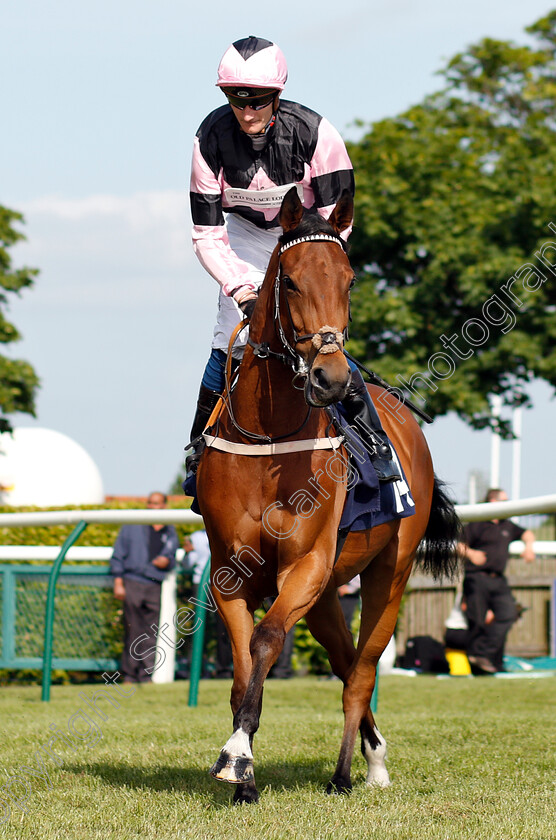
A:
(320, 379)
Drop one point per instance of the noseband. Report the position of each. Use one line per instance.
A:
(325, 340)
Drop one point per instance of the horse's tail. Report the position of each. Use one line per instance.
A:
(437, 554)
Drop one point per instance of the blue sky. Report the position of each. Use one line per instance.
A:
(100, 104)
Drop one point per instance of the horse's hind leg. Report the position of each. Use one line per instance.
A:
(373, 747)
(327, 624)
(382, 586)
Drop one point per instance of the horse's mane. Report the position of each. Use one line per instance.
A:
(311, 223)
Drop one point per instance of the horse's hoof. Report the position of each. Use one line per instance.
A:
(336, 787)
(249, 796)
(379, 778)
(235, 769)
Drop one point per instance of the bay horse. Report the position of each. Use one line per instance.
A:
(272, 498)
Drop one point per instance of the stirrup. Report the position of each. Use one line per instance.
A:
(385, 467)
(197, 448)
(364, 421)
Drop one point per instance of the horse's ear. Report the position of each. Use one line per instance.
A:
(342, 215)
(291, 210)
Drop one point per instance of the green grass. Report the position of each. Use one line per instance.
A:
(468, 759)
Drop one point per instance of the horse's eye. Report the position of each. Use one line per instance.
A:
(290, 285)
(353, 282)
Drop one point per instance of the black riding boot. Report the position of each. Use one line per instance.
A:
(205, 405)
(364, 420)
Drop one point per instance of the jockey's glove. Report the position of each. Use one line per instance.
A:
(246, 298)
(247, 307)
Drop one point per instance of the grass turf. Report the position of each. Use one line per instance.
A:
(468, 759)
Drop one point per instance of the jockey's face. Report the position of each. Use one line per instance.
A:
(255, 122)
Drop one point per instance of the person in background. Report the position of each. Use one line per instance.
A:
(490, 608)
(142, 556)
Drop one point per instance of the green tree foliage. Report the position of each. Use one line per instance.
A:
(453, 203)
(18, 381)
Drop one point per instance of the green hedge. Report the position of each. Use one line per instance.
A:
(95, 535)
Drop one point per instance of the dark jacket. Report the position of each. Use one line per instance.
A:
(131, 559)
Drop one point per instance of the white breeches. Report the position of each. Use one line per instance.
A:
(254, 246)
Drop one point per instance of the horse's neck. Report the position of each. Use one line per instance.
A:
(265, 401)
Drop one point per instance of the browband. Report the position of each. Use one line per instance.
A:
(324, 237)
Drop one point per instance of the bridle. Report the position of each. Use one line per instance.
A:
(325, 340)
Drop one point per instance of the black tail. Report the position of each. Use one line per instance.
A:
(437, 554)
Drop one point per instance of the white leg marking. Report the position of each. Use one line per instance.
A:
(238, 744)
(377, 774)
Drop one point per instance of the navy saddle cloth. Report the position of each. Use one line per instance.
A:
(368, 503)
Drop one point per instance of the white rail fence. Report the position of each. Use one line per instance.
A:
(165, 673)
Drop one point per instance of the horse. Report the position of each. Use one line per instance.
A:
(271, 486)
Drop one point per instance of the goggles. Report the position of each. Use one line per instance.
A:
(243, 98)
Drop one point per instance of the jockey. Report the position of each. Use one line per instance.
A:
(247, 154)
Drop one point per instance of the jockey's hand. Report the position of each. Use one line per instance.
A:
(247, 307)
(246, 299)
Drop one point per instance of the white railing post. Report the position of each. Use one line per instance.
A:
(167, 644)
(496, 406)
(517, 425)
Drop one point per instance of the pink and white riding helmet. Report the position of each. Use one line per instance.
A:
(253, 62)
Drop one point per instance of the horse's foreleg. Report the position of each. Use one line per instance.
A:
(357, 715)
(235, 763)
(298, 594)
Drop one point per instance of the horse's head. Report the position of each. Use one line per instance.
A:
(313, 282)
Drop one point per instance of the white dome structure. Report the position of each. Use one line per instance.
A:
(44, 468)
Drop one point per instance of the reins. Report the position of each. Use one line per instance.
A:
(226, 398)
